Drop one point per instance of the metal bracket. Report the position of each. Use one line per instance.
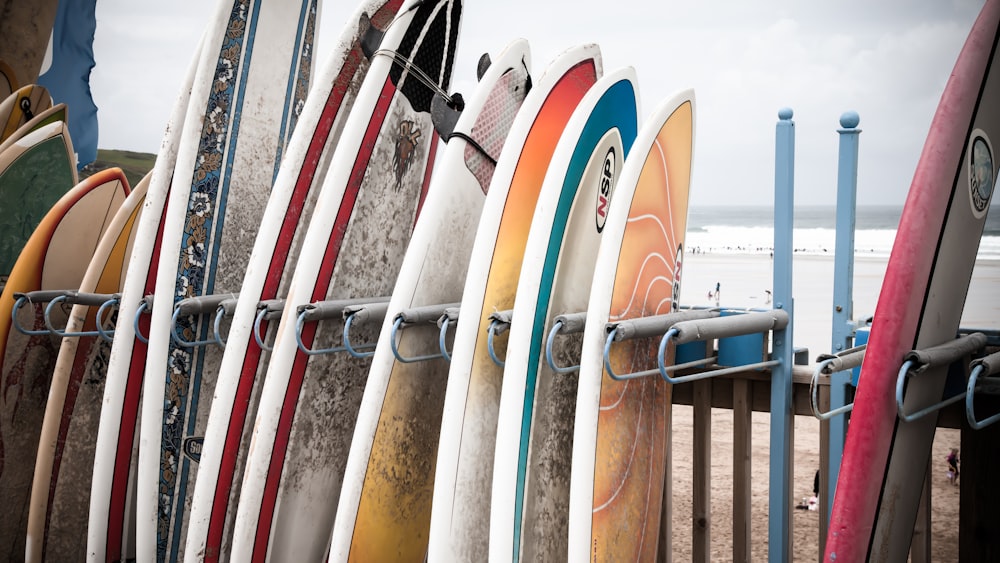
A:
(681, 328)
(146, 304)
(324, 310)
(198, 306)
(918, 361)
(365, 313)
(830, 364)
(572, 323)
(268, 309)
(646, 327)
(983, 367)
(55, 297)
(449, 317)
(428, 314)
(499, 324)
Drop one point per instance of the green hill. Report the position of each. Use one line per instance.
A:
(134, 164)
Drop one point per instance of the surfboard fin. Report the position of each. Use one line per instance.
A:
(483, 66)
(445, 114)
(371, 36)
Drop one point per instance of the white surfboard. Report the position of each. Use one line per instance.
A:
(385, 506)
(269, 271)
(110, 529)
(257, 71)
(531, 473)
(620, 432)
(354, 246)
(459, 528)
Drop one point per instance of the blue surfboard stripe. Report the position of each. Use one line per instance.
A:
(616, 110)
(213, 221)
(297, 75)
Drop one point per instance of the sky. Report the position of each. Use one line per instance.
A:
(888, 60)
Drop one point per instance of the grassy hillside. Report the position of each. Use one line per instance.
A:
(134, 164)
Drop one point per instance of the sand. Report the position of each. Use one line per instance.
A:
(743, 280)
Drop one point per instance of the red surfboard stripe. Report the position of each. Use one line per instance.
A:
(276, 268)
(309, 332)
(130, 415)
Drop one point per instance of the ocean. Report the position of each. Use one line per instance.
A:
(749, 230)
(729, 245)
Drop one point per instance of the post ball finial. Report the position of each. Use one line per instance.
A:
(850, 119)
(785, 114)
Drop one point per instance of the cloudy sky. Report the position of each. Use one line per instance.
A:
(888, 60)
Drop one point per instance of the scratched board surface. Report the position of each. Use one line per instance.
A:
(464, 468)
(920, 305)
(259, 69)
(535, 424)
(54, 258)
(355, 243)
(60, 492)
(396, 434)
(269, 272)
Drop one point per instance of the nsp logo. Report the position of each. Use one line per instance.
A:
(607, 184)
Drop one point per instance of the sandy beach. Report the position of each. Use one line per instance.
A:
(743, 279)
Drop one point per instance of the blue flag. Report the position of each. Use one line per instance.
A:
(67, 76)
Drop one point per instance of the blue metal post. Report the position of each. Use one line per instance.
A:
(782, 416)
(843, 285)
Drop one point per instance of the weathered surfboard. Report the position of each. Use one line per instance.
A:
(530, 503)
(35, 172)
(920, 305)
(64, 466)
(55, 257)
(21, 106)
(354, 246)
(269, 272)
(385, 507)
(460, 511)
(255, 69)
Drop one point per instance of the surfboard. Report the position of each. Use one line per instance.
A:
(531, 470)
(8, 80)
(257, 66)
(111, 520)
(619, 434)
(920, 305)
(34, 173)
(55, 113)
(55, 257)
(354, 245)
(19, 107)
(459, 527)
(269, 271)
(60, 490)
(385, 507)
(25, 31)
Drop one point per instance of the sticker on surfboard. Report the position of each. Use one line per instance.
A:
(608, 179)
(981, 177)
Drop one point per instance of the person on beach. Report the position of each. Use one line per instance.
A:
(811, 503)
(953, 466)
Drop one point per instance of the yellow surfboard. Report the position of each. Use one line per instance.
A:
(21, 106)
